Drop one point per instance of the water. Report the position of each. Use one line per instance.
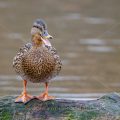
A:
(85, 35)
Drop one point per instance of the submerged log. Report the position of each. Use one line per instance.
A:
(104, 108)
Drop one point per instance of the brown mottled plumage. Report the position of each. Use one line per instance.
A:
(38, 64)
(37, 61)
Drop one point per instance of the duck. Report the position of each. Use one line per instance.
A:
(37, 62)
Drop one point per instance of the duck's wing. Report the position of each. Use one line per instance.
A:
(57, 59)
(25, 48)
(18, 58)
(53, 51)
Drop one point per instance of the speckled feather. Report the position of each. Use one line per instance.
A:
(37, 64)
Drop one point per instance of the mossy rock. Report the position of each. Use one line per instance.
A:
(104, 108)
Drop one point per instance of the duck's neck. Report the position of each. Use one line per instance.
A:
(36, 40)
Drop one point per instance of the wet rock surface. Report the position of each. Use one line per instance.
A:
(104, 108)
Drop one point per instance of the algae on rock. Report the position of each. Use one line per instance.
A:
(106, 107)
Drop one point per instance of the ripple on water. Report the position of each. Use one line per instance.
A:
(92, 41)
(100, 49)
(36, 89)
(9, 77)
(65, 78)
(71, 16)
(96, 20)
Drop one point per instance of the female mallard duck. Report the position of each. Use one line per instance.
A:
(37, 61)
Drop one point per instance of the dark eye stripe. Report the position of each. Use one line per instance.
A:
(38, 27)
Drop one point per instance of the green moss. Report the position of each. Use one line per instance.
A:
(61, 109)
(88, 115)
(70, 116)
(5, 115)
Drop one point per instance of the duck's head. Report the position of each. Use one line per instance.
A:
(40, 28)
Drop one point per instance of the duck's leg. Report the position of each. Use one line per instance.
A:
(45, 96)
(24, 97)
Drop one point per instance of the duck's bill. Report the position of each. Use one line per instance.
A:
(46, 42)
(46, 35)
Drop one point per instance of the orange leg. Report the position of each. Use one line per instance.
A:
(24, 97)
(45, 96)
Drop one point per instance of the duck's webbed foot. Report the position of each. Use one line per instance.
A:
(24, 97)
(45, 96)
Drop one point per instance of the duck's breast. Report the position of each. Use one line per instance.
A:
(38, 65)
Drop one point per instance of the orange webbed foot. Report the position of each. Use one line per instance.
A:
(45, 97)
(24, 98)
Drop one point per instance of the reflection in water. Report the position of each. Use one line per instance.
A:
(75, 26)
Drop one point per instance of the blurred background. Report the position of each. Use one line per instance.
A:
(86, 34)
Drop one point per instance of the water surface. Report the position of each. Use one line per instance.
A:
(86, 35)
